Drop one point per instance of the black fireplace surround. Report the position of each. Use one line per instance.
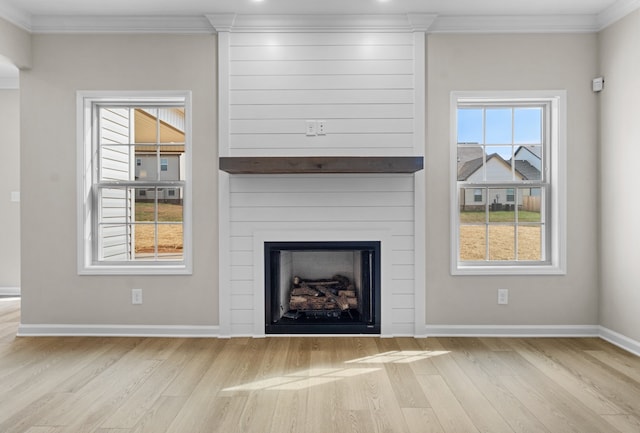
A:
(322, 271)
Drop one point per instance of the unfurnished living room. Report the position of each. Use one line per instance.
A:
(338, 216)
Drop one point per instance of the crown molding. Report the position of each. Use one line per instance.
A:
(211, 23)
(15, 16)
(120, 24)
(516, 24)
(616, 11)
(320, 23)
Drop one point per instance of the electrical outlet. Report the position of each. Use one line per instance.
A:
(136, 296)
(311, 127)
(322, 127)
(503, 296)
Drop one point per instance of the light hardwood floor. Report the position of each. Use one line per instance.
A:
(313, 384)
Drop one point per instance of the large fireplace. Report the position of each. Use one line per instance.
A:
(322, 287)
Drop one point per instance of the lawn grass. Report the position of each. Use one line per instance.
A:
(170, 236)
(503, 216)
(167, 212)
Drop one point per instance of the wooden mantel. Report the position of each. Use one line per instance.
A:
(320, 164)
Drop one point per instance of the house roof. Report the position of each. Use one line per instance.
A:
(522, 167)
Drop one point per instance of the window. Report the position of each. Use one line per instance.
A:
(508, 199)
(128, 224)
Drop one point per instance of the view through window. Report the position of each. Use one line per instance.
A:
(501, 149)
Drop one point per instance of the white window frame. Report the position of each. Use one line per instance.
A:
(86, 159)
(556, 169)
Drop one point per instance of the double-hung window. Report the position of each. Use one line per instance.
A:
(508, 199)
(134, 189)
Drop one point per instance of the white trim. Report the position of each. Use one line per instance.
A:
(419, 181)
(206, 24)
(515, 24)
(84, 101)
(557, 174)
(9, 291)
(94, 24)
(63, 330)
(622, 341)
(15, 16)
(511, 331)
(320, 22)
(615, 12)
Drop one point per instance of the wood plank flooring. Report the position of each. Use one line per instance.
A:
(313, 384)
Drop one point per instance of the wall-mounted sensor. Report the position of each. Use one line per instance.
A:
(597, 84)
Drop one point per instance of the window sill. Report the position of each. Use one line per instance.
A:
(509, 270)
(136, 270)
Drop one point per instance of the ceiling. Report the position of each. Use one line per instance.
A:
(190, 16)
(200, 7)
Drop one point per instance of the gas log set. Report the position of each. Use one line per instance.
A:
(322, 298)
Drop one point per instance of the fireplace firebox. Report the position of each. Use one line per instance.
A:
(322, 287)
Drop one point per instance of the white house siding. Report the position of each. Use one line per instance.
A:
(117, 206)
(360, 84)
(324, 203)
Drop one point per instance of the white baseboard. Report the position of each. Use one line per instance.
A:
(623, 342)
(9, 291)
(511, 331)
(29, 330)
(626, 343)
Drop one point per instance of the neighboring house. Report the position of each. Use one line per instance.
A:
(169, 165)
(527, 166)
(147, 166)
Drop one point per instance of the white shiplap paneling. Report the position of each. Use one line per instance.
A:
(360, 84)
(315, 204)
(368, 88)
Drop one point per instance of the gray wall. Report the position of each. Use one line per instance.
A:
(619, 156)
(53, 293)
(62, 64)
(514, 62)
(9, 182)
(15, 48)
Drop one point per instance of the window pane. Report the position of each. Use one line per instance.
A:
(500, 210)
(530, 242)
(502, 242)
(145, 241)
(473, 242)
(146, 125)
(170, 241)
(470, 125)
(147, 169)
(114, 242)
(527, 125)
(499, 163)
(472, 205)
(145, 208)
(114, 216)
(470, 162)
(114, 125)
(115, 205)
(170, 209)
(171, 125)
(498, 129)
(530, 205)
(528, 160)
(115, 163)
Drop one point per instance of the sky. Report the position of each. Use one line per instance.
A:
(500, 127)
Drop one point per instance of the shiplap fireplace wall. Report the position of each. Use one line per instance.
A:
(364, 77)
